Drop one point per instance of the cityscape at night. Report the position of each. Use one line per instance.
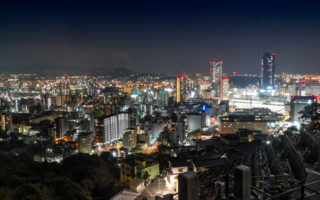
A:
(159, 100)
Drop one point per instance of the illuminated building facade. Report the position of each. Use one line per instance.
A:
(231, 123)
(215, 73)
(110, 129)
(223, 88)
(115, 126)
(85, 142)
(268, 70)
(215, 70)
(129, 139)
(136, 167)
(181, 88)
(3, 122)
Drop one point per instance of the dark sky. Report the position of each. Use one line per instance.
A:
(158, 36)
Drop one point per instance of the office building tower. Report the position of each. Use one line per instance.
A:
(268, 71)
(223, 88)
(62, 127)
(215, 72)
(3, 122)
(181, 88)
(180, 131)
(16, 105)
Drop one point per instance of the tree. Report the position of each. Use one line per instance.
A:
(146, 177)
(306, 113)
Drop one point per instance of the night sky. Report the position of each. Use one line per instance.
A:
(158, 36)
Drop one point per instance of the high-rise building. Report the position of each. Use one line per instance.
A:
(180, 131)
(16, 105)
(181, 88)
(115, 126)
(215, 71)
(3, 122)
(129, 139)
(268, 71)
(62, 127)
(110, 129)
(123, 124)
(223, 88)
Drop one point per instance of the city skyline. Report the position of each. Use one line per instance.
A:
(158, 37)
(159, 100)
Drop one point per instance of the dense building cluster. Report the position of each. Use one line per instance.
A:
(168, 133)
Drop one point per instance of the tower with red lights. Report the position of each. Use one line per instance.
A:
(181, 88)
(268, 71)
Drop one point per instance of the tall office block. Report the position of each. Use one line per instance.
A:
(181, 88)
(215, 75)
(268, 71)
(62, 127)
(3, 122)
(223, 88)
(215, 70)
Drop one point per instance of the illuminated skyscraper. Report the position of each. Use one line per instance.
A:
(215, 70)
(268, 70)
(181, 87)
(3, 122)
(223, 88)
(215, 74)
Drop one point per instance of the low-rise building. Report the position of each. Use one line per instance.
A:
(231, 123)
(138, 166)
(85, 142)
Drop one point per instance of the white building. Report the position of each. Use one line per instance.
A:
(115, 126)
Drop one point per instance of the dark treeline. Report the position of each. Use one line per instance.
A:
(79, 177)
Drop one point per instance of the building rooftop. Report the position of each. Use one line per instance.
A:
(211, 163)
(179, 163)
(125, 194)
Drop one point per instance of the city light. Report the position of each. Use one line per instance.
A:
(134, 100)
